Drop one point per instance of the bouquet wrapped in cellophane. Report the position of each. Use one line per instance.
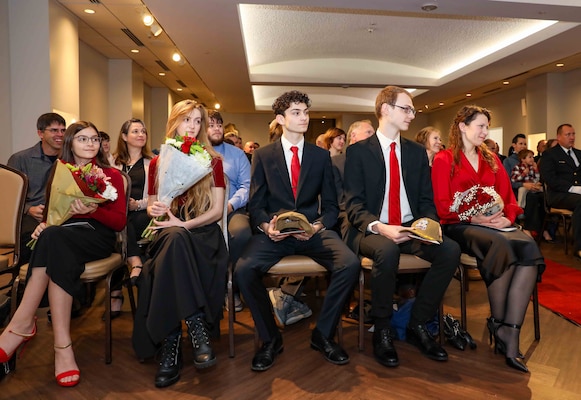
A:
(183, 161)
(476, 200)
(87, 183)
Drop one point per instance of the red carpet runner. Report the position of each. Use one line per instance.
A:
(560, 291)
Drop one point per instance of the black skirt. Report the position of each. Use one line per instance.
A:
(496, 251)
(64, 250)
(185, 274)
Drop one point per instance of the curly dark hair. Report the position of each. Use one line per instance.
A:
(284, 101)
(216, 116)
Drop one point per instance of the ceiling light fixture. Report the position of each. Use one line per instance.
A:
(147, 19)
(179, 89)
(506, 83)
(161, 74)
(559, 65)
(217, 106)
(468, 94)
(134, 51)
(89, 11)
(441, 103)
(156, 29)
(176, 57)
(429, 7)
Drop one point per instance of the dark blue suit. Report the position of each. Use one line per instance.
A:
(271, 194)
(559, 173)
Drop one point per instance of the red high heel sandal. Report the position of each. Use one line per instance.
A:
(60, 377)
(26, 337)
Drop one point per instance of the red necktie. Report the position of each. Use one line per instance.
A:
(295, 170)
(394, 206)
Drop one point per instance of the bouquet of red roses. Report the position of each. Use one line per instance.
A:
(183, 161)
(476, 200)
(70, 182)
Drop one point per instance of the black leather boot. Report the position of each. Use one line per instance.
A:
(171, 361)
(204, 356)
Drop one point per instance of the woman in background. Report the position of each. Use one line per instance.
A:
(132, 156)
(509, 261)
(431, 139)
(335, 140)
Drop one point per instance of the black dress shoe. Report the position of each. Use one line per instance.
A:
(331, 350)
(264, 358)
(419, 337)
(383, 348)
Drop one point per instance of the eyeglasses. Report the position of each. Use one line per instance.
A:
(85, 139)
(54, 131)
(406, 109)
(138, 132)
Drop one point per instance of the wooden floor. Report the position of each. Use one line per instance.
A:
(301, 373)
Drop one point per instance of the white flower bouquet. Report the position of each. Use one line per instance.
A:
(183, 161)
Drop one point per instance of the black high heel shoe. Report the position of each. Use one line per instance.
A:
(500, 345)
(117, 313)
(493, 324)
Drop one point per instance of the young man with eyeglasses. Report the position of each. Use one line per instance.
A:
(36, 162)
(388, 187)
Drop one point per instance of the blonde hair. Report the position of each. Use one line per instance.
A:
(198, 198)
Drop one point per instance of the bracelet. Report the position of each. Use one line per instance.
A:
(138, 207)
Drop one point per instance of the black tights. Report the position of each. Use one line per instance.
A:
(509, 296)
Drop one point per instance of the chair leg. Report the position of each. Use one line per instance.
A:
(463, 290)
(566, 233)
(536, 313)
(108, 331)
(361, 310)
(231, 310)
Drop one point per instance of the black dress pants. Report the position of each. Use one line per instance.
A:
(445, 258)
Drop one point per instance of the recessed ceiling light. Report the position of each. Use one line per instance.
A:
(147, 19)
(505, 82)
(441, 103)
(429, 7)
(179, 89)
(176, 57)
(560, 65)
(217, 106)
(134, 51)
(161, 74)
(468, 94)
(89, 11)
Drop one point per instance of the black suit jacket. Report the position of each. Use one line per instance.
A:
(559, 172)
(364, 184)
(271, 192)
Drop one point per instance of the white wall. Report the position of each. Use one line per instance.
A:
(5, 105)
(94, 89)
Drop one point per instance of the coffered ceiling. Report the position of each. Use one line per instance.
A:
(243, 55)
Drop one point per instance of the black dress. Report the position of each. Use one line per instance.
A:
(185, 273)
(495, 250)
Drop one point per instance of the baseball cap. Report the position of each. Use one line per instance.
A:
(292, 221)
(426, 229)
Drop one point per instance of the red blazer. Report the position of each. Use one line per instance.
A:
(445, 185)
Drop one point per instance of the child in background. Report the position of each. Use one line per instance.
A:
(526, 171)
